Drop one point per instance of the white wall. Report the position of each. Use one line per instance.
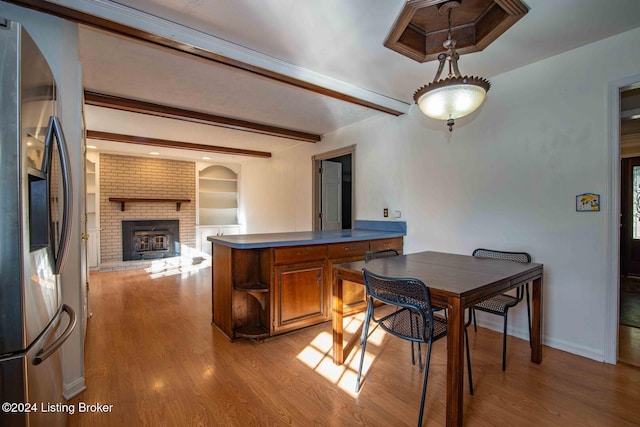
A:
(273, 192)
(506, 178)
(58, 41)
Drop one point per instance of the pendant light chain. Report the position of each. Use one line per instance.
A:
(449, 39)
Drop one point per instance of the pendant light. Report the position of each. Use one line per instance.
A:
(456, 96)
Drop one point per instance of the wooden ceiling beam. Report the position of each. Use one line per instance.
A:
(125, 30)
(180, 145)
(134, 106)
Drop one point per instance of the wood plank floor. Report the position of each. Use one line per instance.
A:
(629, 345)
(152, 353)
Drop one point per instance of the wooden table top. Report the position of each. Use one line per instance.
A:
(451, 275)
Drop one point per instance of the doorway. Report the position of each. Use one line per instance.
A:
(333, 194)
(629, 289)
(630, 217)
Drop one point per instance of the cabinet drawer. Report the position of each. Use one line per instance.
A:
(392, 243)
(296, 254)
(350, 249)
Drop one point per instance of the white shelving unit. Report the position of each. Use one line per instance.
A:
(217, 196)
(92, 207)
(217, 204)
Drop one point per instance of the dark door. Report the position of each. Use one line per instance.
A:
(630, 221)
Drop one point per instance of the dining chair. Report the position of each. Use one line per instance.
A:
(412, 319)
(500, 304)
(385, 253)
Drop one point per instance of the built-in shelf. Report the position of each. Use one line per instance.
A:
(92, 208)
(217, 196)
(256, 290)
(260, 292)
(253, 287)
(124, 200)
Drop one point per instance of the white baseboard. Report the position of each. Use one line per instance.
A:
(494, 323)
(69, 391)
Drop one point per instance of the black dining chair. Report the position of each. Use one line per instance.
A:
(385, 253)
(500, 304)
(413, 319)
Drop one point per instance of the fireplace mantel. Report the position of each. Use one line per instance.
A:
(123, 200)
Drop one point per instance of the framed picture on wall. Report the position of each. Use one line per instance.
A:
(588, 202)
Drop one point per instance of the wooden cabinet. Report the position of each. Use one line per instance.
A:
(301, 296)
(348, 251)
(354, 294)
(240, 297)
(392, 243)
(269, 291)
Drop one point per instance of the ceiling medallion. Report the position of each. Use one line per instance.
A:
(420, 28)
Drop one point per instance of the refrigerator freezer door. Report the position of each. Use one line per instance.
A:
(33, 184)
(37, 104)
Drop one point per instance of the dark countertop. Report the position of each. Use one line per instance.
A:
(299, 238)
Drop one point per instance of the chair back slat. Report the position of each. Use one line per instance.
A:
(405, 292)
(522, 257)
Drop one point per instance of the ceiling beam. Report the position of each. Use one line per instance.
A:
(164, 143)
(134, 106)
(139, 34)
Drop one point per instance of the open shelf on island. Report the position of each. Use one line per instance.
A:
(251, 287)
(256, 290)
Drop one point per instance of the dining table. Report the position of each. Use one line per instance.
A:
(456, 282)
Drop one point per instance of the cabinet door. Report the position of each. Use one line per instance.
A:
(92, 248)
(204, 232)
(229, 230)
(300, 297)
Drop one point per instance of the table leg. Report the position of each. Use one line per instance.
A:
(536, 322)
(455, 362)
(336, 321)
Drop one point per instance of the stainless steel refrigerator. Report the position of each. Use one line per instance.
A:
(35, 206)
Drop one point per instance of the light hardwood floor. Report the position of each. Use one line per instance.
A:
(629, 345)
(152, 353)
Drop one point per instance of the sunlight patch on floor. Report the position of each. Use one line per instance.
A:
(158, 385)
(177, 266)
(208, 372)
(318, 355)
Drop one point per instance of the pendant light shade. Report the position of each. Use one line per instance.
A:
(452, 98)
(455, 96)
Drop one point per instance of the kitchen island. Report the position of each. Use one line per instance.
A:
(268, 284)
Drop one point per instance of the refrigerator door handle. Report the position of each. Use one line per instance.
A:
(55, 128)
(43, 353)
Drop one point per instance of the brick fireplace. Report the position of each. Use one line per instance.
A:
(150, 178)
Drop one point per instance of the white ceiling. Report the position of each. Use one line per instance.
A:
(335, 42)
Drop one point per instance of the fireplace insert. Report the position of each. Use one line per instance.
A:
(150, 239)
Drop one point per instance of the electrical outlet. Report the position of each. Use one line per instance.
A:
(385, 212)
